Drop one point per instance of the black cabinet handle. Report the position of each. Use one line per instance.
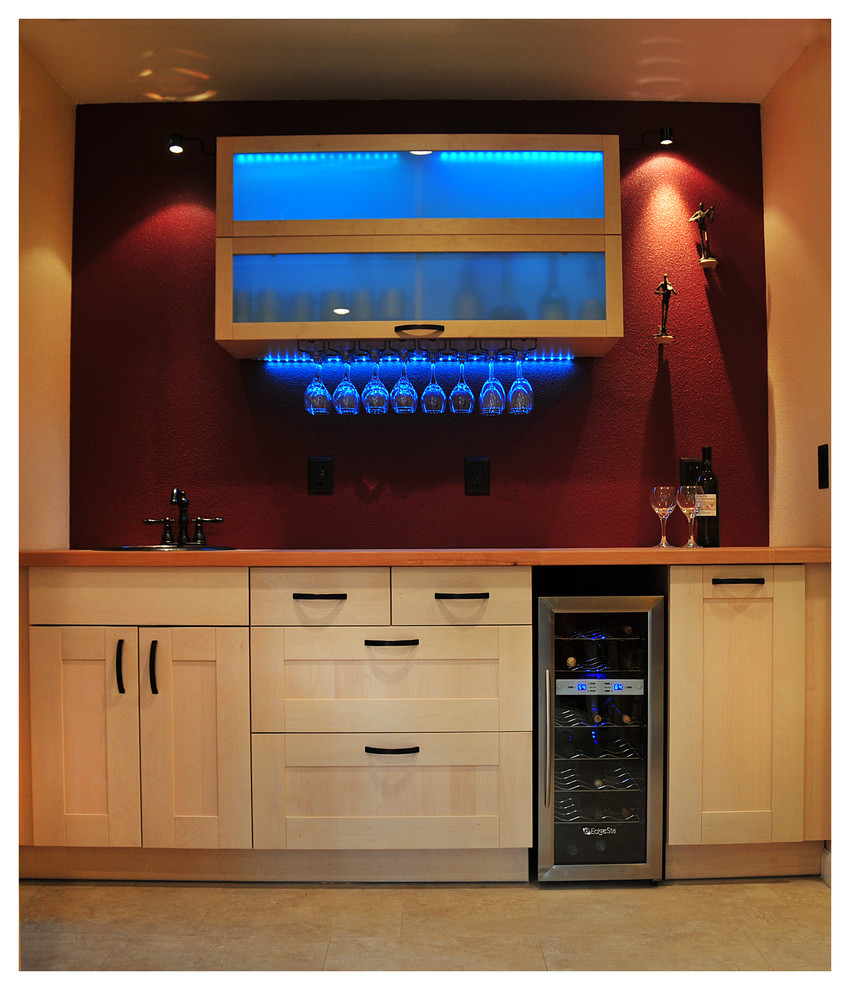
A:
(152, 667)
(403, 749)
(300, 596)
(419, 329)
(446, 596)
(391, 642)
(751, 580)
(119, 669)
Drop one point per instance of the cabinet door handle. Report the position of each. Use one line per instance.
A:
(391, 642)
(119, 666)
(381, 750)
(420, 329)
(750, 580)
(303, 596)
(455, 596)
(152, 667)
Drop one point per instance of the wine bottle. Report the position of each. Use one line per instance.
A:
(708, 507)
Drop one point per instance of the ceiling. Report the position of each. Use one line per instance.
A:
(131, 61)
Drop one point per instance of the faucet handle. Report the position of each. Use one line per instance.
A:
(167, 535)
(199, 539)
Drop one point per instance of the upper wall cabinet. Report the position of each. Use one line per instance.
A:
(371, 238)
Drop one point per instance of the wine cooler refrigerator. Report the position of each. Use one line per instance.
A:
(600, 738)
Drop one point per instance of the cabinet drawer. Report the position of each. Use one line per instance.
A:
(320, 596)
(337, 796)
(138, 596)
(738, 582)
(461, 595)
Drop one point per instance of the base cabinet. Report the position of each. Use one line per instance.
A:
(154, 754)
(746, 744)
(412, 735)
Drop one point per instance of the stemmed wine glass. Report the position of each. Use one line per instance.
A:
(317, 398)
(520, 396)
(491, 400)
(403, 396)
(461, 397)
(376, 398)
(433, 396)
(346, 398)
(663, 501)
(686, 499)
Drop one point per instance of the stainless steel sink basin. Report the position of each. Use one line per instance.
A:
(168, 546)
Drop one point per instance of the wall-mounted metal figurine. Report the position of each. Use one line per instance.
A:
(665, 290)
(701, 219)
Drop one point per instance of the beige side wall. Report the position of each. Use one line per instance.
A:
(796, 150)
(46, 206)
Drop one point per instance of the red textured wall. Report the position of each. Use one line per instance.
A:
(155, 402)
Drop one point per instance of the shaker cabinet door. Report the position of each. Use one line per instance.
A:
(84, 703)
(195, 741)
(737, 705)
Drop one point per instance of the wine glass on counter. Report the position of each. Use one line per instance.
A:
(317, 398)
(686, 499)
(663, 501)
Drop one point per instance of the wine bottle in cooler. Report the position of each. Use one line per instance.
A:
(708, 511)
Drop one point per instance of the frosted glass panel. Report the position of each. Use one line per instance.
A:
(303, 288)
(391, 184)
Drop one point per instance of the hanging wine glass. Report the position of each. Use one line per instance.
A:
(433, 396)
(521, 395)
(346, 398)
(317, 398)
(461, 397)
(491, 400)
(376, 398)
(403, 397)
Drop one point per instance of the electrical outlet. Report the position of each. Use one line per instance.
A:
(320, 476)
(476, 474)
(823, 465)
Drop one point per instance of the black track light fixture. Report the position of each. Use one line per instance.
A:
(665, 137)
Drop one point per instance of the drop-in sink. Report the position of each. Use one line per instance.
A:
(168, 546)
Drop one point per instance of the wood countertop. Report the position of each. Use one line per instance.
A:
(423, 558)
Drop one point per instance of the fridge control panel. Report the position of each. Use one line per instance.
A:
(599, 686)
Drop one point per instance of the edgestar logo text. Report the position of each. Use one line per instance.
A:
(599, 831)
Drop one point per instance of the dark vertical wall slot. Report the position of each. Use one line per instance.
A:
(823, 465)
(476, 475)
(320, 476)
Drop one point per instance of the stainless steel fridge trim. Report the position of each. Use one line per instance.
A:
(548, 737)
(652, 869)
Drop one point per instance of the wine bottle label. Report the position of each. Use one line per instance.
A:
(706, 505)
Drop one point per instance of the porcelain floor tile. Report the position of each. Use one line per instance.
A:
(49, 951)
(641, 952)
(434, 954)
(217, 953)
(309, 911)
(83, 908)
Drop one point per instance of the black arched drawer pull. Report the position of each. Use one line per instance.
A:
(393, 752)
(750, 580)
(391, 642)
(455, 596)
(152, 668)
(303, 596)
(119, 666)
